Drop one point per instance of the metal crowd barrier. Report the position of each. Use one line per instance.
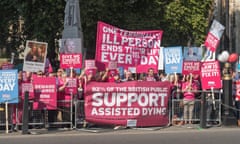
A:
(62, 117)
(73, 116)
(70, 116)
(213, 108)
(79, 114)
(3, 114)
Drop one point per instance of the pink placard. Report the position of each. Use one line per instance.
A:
(210, 75)
(7, 66)
(27, 87)
(90, 64)
(116, 103)
(45, 93)
(191, 67)
(211, 42)
(71, 87)
(71, 60)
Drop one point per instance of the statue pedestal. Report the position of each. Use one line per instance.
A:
(71, 32)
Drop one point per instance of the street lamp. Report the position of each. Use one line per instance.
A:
(228, 117)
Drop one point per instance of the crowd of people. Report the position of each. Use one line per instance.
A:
(183, 84)
(185, 88)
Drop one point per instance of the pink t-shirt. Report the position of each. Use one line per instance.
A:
(188, 95)
(60, 94)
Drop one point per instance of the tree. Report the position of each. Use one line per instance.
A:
(127, 14)
(182, 21)
(188, 21)
(9, 36)
(44, 22)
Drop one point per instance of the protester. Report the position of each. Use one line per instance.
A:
(212, 108)
(177, 99)
(86, 76)
(60, 91)
(236, 100)
(27, 76)
(90, 75)
(63, 113)
(150, 75)
(188, 88)
(40, 74)
(18, 108)
(67, 95)
(111, 76)
(99, 76)
(128, 76)
(163, 77)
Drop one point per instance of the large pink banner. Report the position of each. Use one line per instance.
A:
(138, 49)
(45, 93)
(210, 75)
(129, 103)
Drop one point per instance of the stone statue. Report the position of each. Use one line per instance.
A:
(72, 13)
(72, 21)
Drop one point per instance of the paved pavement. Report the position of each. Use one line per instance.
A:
(96, 130)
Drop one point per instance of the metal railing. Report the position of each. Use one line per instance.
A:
(213, 108)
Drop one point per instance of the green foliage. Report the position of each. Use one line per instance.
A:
(182, 21)
(8, 26)
(188, 20)
(44, 21)
(127, 14)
